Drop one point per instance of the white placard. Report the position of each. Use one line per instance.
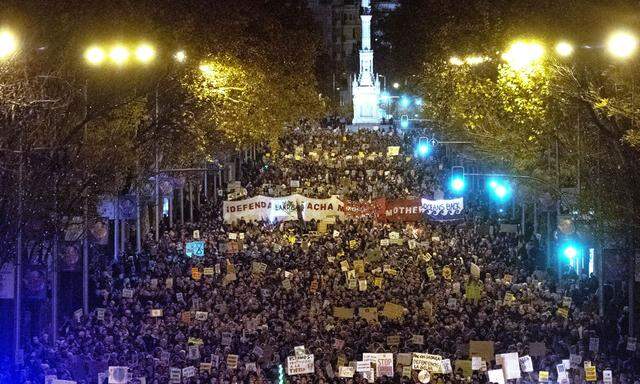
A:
(526, 364)
(346, 371)
(496, 376)
(300, 365)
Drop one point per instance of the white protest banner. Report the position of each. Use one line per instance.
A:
(425, 361)
(300, 365)
(496, 376)
(511, 365)
(118, 375)
(476, 363)
(446, 366)
(442, 209)
(346, 371)
(188, 372)
(363, 366)
(607, 376)
(526, 364)
(281, 208)
(59, 381)
(175, 375)
(384, 364)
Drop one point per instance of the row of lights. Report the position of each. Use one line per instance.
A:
(522, 53)
(119, 54)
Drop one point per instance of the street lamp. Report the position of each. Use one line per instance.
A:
(8, 44)
(622, 44)
(522, 54)
(396, 85)
(94, 55)
(180, 56)
(119, 54)
(145, 53)
(564, 49)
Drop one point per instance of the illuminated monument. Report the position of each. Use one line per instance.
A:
(366, 86)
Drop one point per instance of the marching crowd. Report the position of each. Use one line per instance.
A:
(264, 288)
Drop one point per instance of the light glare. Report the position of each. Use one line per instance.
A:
(8, 44)
(145, 53)
(622, 44)
(94, 55)
(564, 49)
(180, 56)
(521, 55)
(455, 60)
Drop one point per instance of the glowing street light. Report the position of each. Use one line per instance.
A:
(564, 49)
(522, 54)
(457, 182)
(8, 44)
(622, 45)
(94, 55)
(396, 85)
(405, 102)
(180, 56)
(500, 190)
(455, 60)
(119, 54)
(145, 53)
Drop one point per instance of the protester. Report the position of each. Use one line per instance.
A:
(454, 282)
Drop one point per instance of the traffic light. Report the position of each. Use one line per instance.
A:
(404, 121)
(424, 147)
(457, 182)
(499, 189)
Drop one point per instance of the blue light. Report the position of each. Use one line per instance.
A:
(405, 102)
(418, 101)
(500, 190)
(423, 149)
(384, 97)
(457, 184)
(570, 252)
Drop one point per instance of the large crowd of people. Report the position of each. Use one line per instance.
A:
(264, 288)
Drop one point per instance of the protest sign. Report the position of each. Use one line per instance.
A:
(188, 372)
(156, 313)
(446, 366)
(594, 343)
(384, 364)
(590, 373)
(483, 349)
(127, 293)
(175, 375)
(442, 210)
(118, 375)
(417, 339)
(404, 358)
(363, 366)
(343, 312)
(465, 366)
(393, 340)
(346, 371)
(299, 351)
(368, 313)
(258, 268)
(264, 208)
(401, 210)
(193, 352)
(425, 361)
(476, 363)
(496, 376)
(393, 150)
(526, 364)
(201, 316)
(392, 310)
(300, 365)
(232, 361)
(543, 376)
(607, 376)
(194, 248)
(511, 365)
